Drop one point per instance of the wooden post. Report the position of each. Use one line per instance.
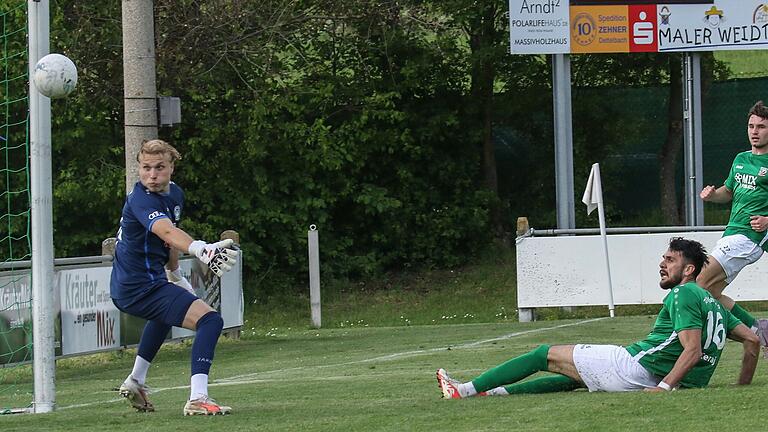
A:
(108, 246)
(522, 225)
(230, 234)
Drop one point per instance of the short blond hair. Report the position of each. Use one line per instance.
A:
(155, 147)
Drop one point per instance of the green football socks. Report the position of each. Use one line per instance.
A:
(513, 370)
(743, 316)
(548, 384)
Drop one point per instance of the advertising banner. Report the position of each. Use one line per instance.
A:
(89, 320)
(539, 27)
(16, 317)
(86, 319)
(726, 25)
(637, 26)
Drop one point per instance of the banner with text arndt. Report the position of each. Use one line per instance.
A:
(594, 26)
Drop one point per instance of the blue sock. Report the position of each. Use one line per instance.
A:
(151, 339)
(208, 331)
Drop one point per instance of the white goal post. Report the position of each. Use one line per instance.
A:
(41, 204)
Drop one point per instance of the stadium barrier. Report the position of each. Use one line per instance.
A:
(86, 319)
(559, 270)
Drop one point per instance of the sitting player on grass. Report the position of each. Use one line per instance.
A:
(682, 349)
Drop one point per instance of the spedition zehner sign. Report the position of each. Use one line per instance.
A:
(560, 27)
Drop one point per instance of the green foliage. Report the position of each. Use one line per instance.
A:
(360, 117)
(347, 116)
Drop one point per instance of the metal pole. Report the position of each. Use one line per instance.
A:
(314, 275)
(698, 153)
(564, 192)
(561, 93)
(42, 217)
(601, 215)
(622, 230)
(140, 88)
(694, 207)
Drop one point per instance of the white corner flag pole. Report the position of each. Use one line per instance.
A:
(593, 198)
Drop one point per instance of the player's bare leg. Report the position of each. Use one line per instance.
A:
(560, 360)
(713, 279)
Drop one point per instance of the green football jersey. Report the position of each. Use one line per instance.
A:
(748, 180)
(686, 307)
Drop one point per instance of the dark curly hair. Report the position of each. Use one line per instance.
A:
(693, 252)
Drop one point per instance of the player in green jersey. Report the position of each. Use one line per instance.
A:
(744, 239)
(682, 349)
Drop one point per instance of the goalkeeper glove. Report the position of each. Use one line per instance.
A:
(177, 278)
(220, 256)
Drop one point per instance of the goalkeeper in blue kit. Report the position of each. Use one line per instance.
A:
(146, 257)
(682, 350)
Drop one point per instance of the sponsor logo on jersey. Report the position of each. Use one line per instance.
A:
(177, 213)
(739, 166)
(746, 181)
(711, 359)
(155, 215)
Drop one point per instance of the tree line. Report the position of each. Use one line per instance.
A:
(378, 121)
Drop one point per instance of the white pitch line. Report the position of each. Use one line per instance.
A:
(410, 353)
(251, 378)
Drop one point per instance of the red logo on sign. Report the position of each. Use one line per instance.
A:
(642, 28)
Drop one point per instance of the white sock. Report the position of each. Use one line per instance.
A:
(467, 389)
(140, 368)
(199, 387)
(498, 391)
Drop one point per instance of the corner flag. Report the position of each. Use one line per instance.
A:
(593, 194)
(593, 198)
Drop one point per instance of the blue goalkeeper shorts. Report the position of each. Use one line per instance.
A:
(167, 303)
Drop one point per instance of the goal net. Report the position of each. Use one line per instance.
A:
(16, 348)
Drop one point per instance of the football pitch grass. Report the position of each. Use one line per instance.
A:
(382, 378)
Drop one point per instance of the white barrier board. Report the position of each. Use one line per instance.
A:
(87, 321)
(570, 270)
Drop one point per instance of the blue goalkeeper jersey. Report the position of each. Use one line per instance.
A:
(140, 255)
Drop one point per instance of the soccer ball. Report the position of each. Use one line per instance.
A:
(55, 76)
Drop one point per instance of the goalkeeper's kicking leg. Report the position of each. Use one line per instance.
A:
(208, 324)
(134, 388)
(176, 307)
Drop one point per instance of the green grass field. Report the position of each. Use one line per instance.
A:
(382, 378)
(745, 64)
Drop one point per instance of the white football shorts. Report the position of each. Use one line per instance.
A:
(734, 252)
(611, 368)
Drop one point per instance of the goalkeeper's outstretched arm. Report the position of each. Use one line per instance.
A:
(220, 257)
(175, 237)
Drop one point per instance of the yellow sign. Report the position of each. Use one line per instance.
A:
(599, 29)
